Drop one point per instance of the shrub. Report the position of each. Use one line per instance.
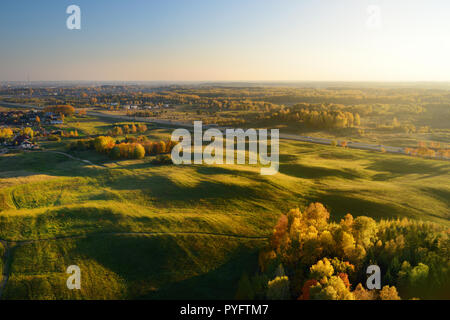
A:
(54, 138)
(117, 131)
(6, 134)
(115, 152)
(104, 144)
(139, 151)
(66, 110)
(142, 128)
(162, 159)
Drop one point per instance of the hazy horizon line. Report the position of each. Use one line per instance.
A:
(233, 81)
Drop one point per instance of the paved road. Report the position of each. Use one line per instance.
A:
(350, 144)
(354, 145)
(168, 123)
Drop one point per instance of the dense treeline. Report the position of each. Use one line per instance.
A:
(130, 148)
(404, 100)
(69, 134)
(318, 116)
(309, 257)
(66, 110)
(431, 150)
(126, 129)
(274, 93)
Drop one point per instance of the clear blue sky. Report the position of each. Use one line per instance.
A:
(226, 40)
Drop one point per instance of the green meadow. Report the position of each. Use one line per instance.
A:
(139, 230)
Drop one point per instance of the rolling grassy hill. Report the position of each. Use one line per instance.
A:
(139, 267)
(144, 231)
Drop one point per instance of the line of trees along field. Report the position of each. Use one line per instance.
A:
(130, 148)
(318, 117)
(66, 110)
(125, 129)
(309, 257)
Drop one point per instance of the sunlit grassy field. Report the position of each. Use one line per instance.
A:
(139, 267)
(200, 226)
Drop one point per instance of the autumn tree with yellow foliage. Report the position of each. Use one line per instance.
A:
(327, 260)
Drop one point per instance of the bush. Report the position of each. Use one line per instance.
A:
(115, 152)
(139, 151)
(142, 128)
(81, 145)
(162, 159)
(54, 138)
(117, 131)
(104, 144)
(6, 134)
(66, 110)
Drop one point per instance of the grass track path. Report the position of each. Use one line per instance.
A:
(73, 158)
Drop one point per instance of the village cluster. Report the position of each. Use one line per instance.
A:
(18, 128)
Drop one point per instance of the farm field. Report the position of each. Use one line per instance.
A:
(166, 231)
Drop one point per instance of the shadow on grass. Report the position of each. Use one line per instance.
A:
(310, 172)
(285, 158)
(218, 284)
(338, 155)
(45, 163)
(340, 203)
(174, 267)
(163, 189)
(439, 194)
(397, 167)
